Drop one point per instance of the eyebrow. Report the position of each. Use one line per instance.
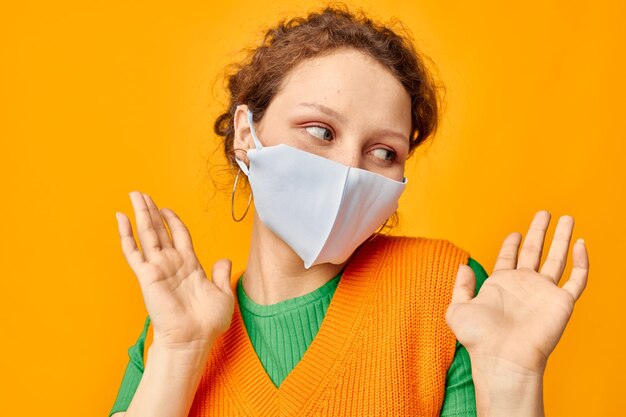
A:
(394, 134)
(336, 115)
(324, 109)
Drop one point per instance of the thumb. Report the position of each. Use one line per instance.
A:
(464, 286)
(221, 275)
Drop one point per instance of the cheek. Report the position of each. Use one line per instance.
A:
(395, 173)
(398, 173)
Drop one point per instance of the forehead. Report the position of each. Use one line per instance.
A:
(350, 82)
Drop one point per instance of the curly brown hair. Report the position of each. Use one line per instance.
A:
(257, 79)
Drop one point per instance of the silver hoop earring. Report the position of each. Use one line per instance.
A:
(232, 200)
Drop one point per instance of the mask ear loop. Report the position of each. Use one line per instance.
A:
(257, 142)
(245, 169)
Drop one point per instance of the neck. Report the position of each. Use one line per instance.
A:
(276, 273)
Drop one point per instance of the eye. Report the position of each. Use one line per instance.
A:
(320, 132)
(384, 154)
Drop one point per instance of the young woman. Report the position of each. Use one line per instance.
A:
(330, 317)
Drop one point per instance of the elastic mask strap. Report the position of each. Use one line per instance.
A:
(257, 142)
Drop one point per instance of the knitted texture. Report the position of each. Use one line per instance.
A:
(282, 332)
(383, 347)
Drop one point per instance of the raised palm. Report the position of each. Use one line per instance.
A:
(187, 310)
(520, 313)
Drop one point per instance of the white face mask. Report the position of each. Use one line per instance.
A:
(322, 209)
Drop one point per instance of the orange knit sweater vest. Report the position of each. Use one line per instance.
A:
(383, 348)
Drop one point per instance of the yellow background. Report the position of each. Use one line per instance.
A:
(101, 98)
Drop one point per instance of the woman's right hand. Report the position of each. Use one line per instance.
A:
(187, 310)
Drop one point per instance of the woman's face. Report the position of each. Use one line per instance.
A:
(343, 106)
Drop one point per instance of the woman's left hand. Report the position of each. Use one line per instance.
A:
(519, 314)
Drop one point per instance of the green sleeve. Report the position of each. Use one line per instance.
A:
(134, 371)
(460, 398)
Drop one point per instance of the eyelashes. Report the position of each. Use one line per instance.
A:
(386, 154)
(323, 133)
(320, 132)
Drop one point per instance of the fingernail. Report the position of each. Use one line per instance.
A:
(117, 215)
(581, 240)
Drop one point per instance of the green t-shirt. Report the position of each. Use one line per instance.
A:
(280, 334)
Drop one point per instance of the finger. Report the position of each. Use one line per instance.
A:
(555, 263)
(157, 222)
(129, 246)
(530, 254)
(221, 274)
(464, 286)
(148, 237)
(181, 239)
(507, 258)
(577, 281)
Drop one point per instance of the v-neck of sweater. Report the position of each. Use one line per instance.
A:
(244, 372)
(282, 332)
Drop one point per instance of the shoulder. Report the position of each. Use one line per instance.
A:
(414, 263)
(435, 249)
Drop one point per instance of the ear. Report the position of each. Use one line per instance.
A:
(243, 136)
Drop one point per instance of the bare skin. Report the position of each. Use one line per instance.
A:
(365, 122)
(187, 310)
(514, 323)
(346, 107)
